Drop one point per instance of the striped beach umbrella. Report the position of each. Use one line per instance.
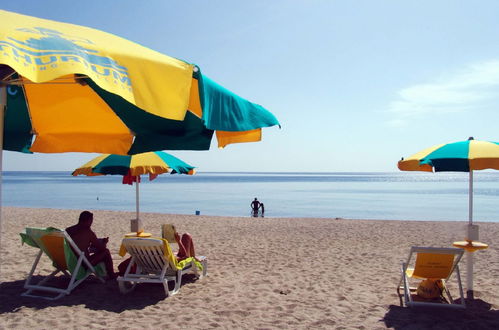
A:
(132, 167)
(463, 156)
(75, 89)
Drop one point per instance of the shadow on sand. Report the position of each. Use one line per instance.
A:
(91, 293)
(477, 315)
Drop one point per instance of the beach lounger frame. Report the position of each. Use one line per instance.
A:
(446, 271)
(73, 282)
(153, 266)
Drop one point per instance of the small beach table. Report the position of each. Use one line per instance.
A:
(138, 234)
(470, 246)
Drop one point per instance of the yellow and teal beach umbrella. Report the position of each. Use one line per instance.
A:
(132, 167)
(69, 88)
(463, 156)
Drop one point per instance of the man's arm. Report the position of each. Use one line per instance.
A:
(96, 243)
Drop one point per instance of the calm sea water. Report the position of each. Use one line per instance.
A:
(401, 195)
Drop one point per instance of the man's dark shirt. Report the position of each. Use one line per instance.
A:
(84, 237)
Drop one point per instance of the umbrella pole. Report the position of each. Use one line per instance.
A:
(137, 179)
(3, 105)
(470, 216)
(469, 255)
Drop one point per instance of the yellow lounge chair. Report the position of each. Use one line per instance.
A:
(153, 262)
(434, 264)
(66, 258)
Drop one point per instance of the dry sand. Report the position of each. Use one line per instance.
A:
(263, 274)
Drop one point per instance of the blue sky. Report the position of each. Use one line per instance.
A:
(355, 84)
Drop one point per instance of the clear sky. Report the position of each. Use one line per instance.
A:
(356, 85)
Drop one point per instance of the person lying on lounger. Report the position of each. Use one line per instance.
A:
(95, 249)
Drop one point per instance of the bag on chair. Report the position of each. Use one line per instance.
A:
(430, 288)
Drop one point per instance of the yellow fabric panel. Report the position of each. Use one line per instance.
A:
(69, 117)
(424, 152)
(225, 138)
(409, 272)
(152, 81)
(86, 169)
(194, 102)
(433, 265)
(483, 155)
(147, 162)
(54, 246)
(412, 163)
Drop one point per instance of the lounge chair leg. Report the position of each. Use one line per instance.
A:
(126, 286)
(165, 286)
(177, 279)
(205, 267)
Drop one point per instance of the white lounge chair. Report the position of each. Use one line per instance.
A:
(66, 258)
(430, 263)
(153, 262)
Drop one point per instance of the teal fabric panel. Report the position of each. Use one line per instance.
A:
(113, 164)
(226, 111)
(17, 123)
(174, 163)
(452, 157)
(165, 134)
(154, 133)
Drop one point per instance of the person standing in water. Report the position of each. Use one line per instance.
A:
(255, 205)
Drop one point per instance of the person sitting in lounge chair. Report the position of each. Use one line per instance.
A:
(185, 246)
(95, 249)
(184, 242)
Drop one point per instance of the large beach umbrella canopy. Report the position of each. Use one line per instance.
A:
(132, 167)
(69, 88)
(75, 89)
(463, 156)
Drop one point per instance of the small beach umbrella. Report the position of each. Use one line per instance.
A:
(132, 167)
(463, 156)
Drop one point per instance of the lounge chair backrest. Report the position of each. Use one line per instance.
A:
(435, 263)
(431, 265)
(168, 232)
(149, 253)
(54, 245)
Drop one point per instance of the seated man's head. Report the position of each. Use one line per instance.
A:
(86, 218)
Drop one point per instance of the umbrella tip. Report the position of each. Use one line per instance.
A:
(470, 138)
(401, 159)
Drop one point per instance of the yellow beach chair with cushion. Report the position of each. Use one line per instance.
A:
(153, 262)
(66, 258)
(436, 265)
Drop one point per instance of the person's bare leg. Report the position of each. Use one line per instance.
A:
(104, 256)
(188, 244)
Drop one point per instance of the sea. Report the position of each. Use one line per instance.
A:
(356, 195)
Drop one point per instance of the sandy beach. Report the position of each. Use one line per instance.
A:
(264, 273)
